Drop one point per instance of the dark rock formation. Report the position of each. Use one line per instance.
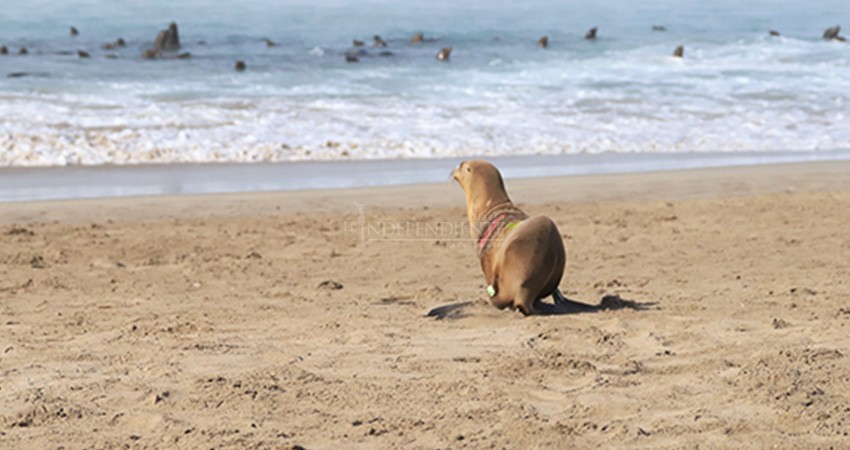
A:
(168, 40)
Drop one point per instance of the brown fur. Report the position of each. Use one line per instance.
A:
(524, 263)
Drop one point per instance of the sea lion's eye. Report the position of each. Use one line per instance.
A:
(468, 169)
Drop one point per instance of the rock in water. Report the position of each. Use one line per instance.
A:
(168, 40)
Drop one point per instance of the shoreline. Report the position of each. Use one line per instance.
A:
(81, 182)
(605, 188)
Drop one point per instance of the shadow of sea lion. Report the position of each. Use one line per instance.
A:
(607, 303)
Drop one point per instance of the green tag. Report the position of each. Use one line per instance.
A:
(491, 291)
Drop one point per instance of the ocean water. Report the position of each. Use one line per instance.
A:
(737, 89)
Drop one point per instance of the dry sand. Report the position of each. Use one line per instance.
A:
(204, 322)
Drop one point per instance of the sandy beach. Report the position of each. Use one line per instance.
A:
(267, 320)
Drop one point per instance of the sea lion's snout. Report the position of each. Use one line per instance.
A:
(455, 173)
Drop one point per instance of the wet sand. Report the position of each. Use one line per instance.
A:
(265, 321)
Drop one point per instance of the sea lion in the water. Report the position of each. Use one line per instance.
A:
(591, 34)
(23, 51)
(74, 31)
(543, 42)
(357, 43)
(444, 54)
(83, 54)
(831, 33)
(269, 42)
(658, 28)
(773, 33)
(378, 42)
(522, 257)
(417, 38)
(679, 52)
(240, 66)
(4, 50)
(150, 53)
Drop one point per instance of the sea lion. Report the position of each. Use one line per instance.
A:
(543, 42)
(83, 54)
(378, 42)
(351, 58)
(150, 53)
(357, 43)
(591, 34)
(240, 66)
(4, 50)
(184, 55)
(679, 52)
(107, 46)
(74, 31)
(444, 54)
(269, 42)
(832, 33)
(120, 42)
(23, 51)
(417, 38)
(773, 33)
(522, 257)
(659, 28)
